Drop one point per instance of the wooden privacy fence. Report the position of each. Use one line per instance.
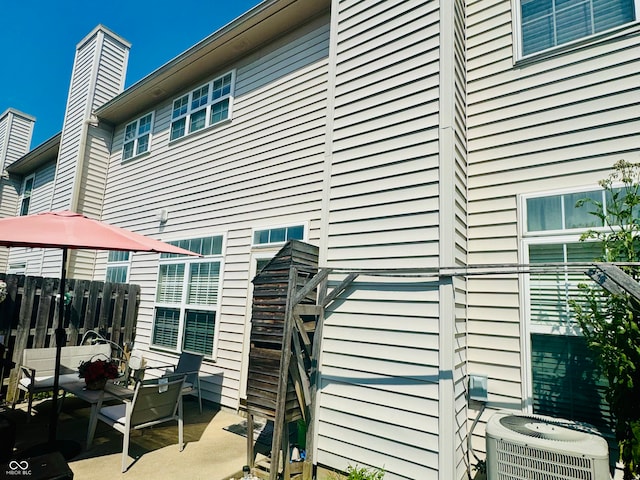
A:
(29, 317)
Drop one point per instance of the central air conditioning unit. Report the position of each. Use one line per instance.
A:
(533, 447)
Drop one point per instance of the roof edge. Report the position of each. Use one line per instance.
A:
(245, 18)
(101, 28)
(17, 113)
(36, 157)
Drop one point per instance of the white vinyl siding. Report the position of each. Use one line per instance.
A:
(16, 129)
(382, 341)
(98, 75)
(545, 24)
(15, 137)
(263, 169)
(560, 122)
(39, 202)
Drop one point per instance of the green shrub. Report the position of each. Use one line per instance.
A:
(359, 473)
(610, 322)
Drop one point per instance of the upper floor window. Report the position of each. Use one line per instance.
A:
(25, 201)
(546, 24)
(205, 106)
(137, 136)
(278, 235)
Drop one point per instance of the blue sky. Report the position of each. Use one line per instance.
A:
(39, 37)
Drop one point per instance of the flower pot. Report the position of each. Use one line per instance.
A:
(97, 384)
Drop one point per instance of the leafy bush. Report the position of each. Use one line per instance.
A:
(360, 473)
(610, 322)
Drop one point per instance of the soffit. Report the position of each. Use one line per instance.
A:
(42, 154)
(262, 24)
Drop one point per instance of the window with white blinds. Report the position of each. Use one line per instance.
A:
(564, 376)
(551, 290)
(187, 297)
(545, 24)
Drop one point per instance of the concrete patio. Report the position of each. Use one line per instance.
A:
(215, 447)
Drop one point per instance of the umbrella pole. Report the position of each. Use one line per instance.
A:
(60, 336)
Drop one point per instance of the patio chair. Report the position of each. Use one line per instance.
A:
(155, 402)
(189, 365)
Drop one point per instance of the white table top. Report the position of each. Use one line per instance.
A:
(110, 392)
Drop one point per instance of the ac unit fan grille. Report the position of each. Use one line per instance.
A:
(518, 462)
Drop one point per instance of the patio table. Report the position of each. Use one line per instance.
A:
(95, 398)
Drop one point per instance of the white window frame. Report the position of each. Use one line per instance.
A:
(119, 263)
(183, 306)
(277, 227)
(527, 239)
(136, 137)
(517, 29)
(184, 107)
(23, 194)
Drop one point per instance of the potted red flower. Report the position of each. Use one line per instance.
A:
(97, 372)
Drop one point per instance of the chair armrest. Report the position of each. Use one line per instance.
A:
(28, 372)
(185, 373)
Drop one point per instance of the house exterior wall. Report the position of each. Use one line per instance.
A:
(390, 394)
(16, 129)
(401, 134)
(31, 258)
(453, 239)
(98, 75)
(93, 177)
(261, 169)
(552, 122)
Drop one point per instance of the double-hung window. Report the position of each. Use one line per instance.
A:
(137, 136)
(27, 189)
(187, 297)
(565, 380)
(118, 267)
(545, 24)
(203, 107)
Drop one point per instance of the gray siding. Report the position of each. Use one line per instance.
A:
(553, 123)
(263, 168)
(381, 342)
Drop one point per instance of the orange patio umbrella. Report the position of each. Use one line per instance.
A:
(69, 230)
